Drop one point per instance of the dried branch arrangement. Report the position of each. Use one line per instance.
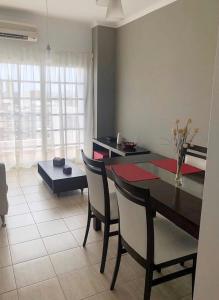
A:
(183, 136)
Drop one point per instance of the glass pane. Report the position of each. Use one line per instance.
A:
(71, 136)
(81, 106)
(69, 91)
(70, 75)
(55, 122)
(29, 73)
(30, 90)
(8, 71)
(52, 90)
(55, 107)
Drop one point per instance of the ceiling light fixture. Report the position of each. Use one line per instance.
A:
(115, 11)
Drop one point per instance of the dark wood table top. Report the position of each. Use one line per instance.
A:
(119, 149)
(181, 205)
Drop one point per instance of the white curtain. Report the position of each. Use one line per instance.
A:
(46, 106)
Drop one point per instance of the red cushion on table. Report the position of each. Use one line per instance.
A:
(131, 172)
(171, 166)
(100, 154)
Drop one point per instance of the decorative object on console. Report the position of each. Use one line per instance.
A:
(119, 139)
(129, 146)
(111, 138)
(182, 137)
(67, 170)
(100, 155)
(58, 162)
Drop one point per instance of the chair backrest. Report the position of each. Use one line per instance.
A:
(136, 215)
(97, 185)
(196, 156)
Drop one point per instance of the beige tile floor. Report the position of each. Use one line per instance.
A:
(41, 257)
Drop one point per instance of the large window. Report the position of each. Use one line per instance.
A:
(42, 111)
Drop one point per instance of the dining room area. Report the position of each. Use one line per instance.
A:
(153, 142)
(109, 173)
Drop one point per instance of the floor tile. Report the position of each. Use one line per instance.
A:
(34, 197)
(45, 290)
(15, 191)
(69, 260)
(27, 251)
(187, 298)
(7, 282)
(23, 234)
(42, 205)
(108, 295)
(15, 200)
(40, 189)
(83, 283)
(52, 227)
(60, 242)
(33, 271)
(19, 209)
(93, 236)
(93, 251)
(26, 181)
(19, 221)
(76, 222)
(126, 273)
(5, 257)
(9, 296)
(69, 210)
(46, 215)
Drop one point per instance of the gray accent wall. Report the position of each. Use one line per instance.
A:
(104, 50)
(164, 71)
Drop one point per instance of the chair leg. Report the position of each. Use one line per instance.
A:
(88, 225)
(193, 274)
(3, 221)
(105, 246)
(148, 283)
(117, 265)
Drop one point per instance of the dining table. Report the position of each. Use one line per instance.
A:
(181, 205)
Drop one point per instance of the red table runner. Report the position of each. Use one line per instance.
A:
(131, 172)
(171, 166)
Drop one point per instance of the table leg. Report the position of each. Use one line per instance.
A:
(96, 224)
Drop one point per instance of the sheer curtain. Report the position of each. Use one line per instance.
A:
(46, 106)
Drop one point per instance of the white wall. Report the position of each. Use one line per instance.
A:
(164, 72)
(65, 35)
(207, 278)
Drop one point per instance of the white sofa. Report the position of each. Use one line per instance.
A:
(3, 194)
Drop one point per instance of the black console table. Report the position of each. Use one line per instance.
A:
(103, 144)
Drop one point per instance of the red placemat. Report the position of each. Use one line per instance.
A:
(131, 172)
(171, 166)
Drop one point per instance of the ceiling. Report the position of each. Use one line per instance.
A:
(84, 10)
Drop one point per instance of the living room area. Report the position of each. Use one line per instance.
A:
(105, 106)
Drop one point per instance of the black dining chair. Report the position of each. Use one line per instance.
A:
(196, 156)
(101, 204)
(155, 243)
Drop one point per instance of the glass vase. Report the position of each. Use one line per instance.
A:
(178, 178)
